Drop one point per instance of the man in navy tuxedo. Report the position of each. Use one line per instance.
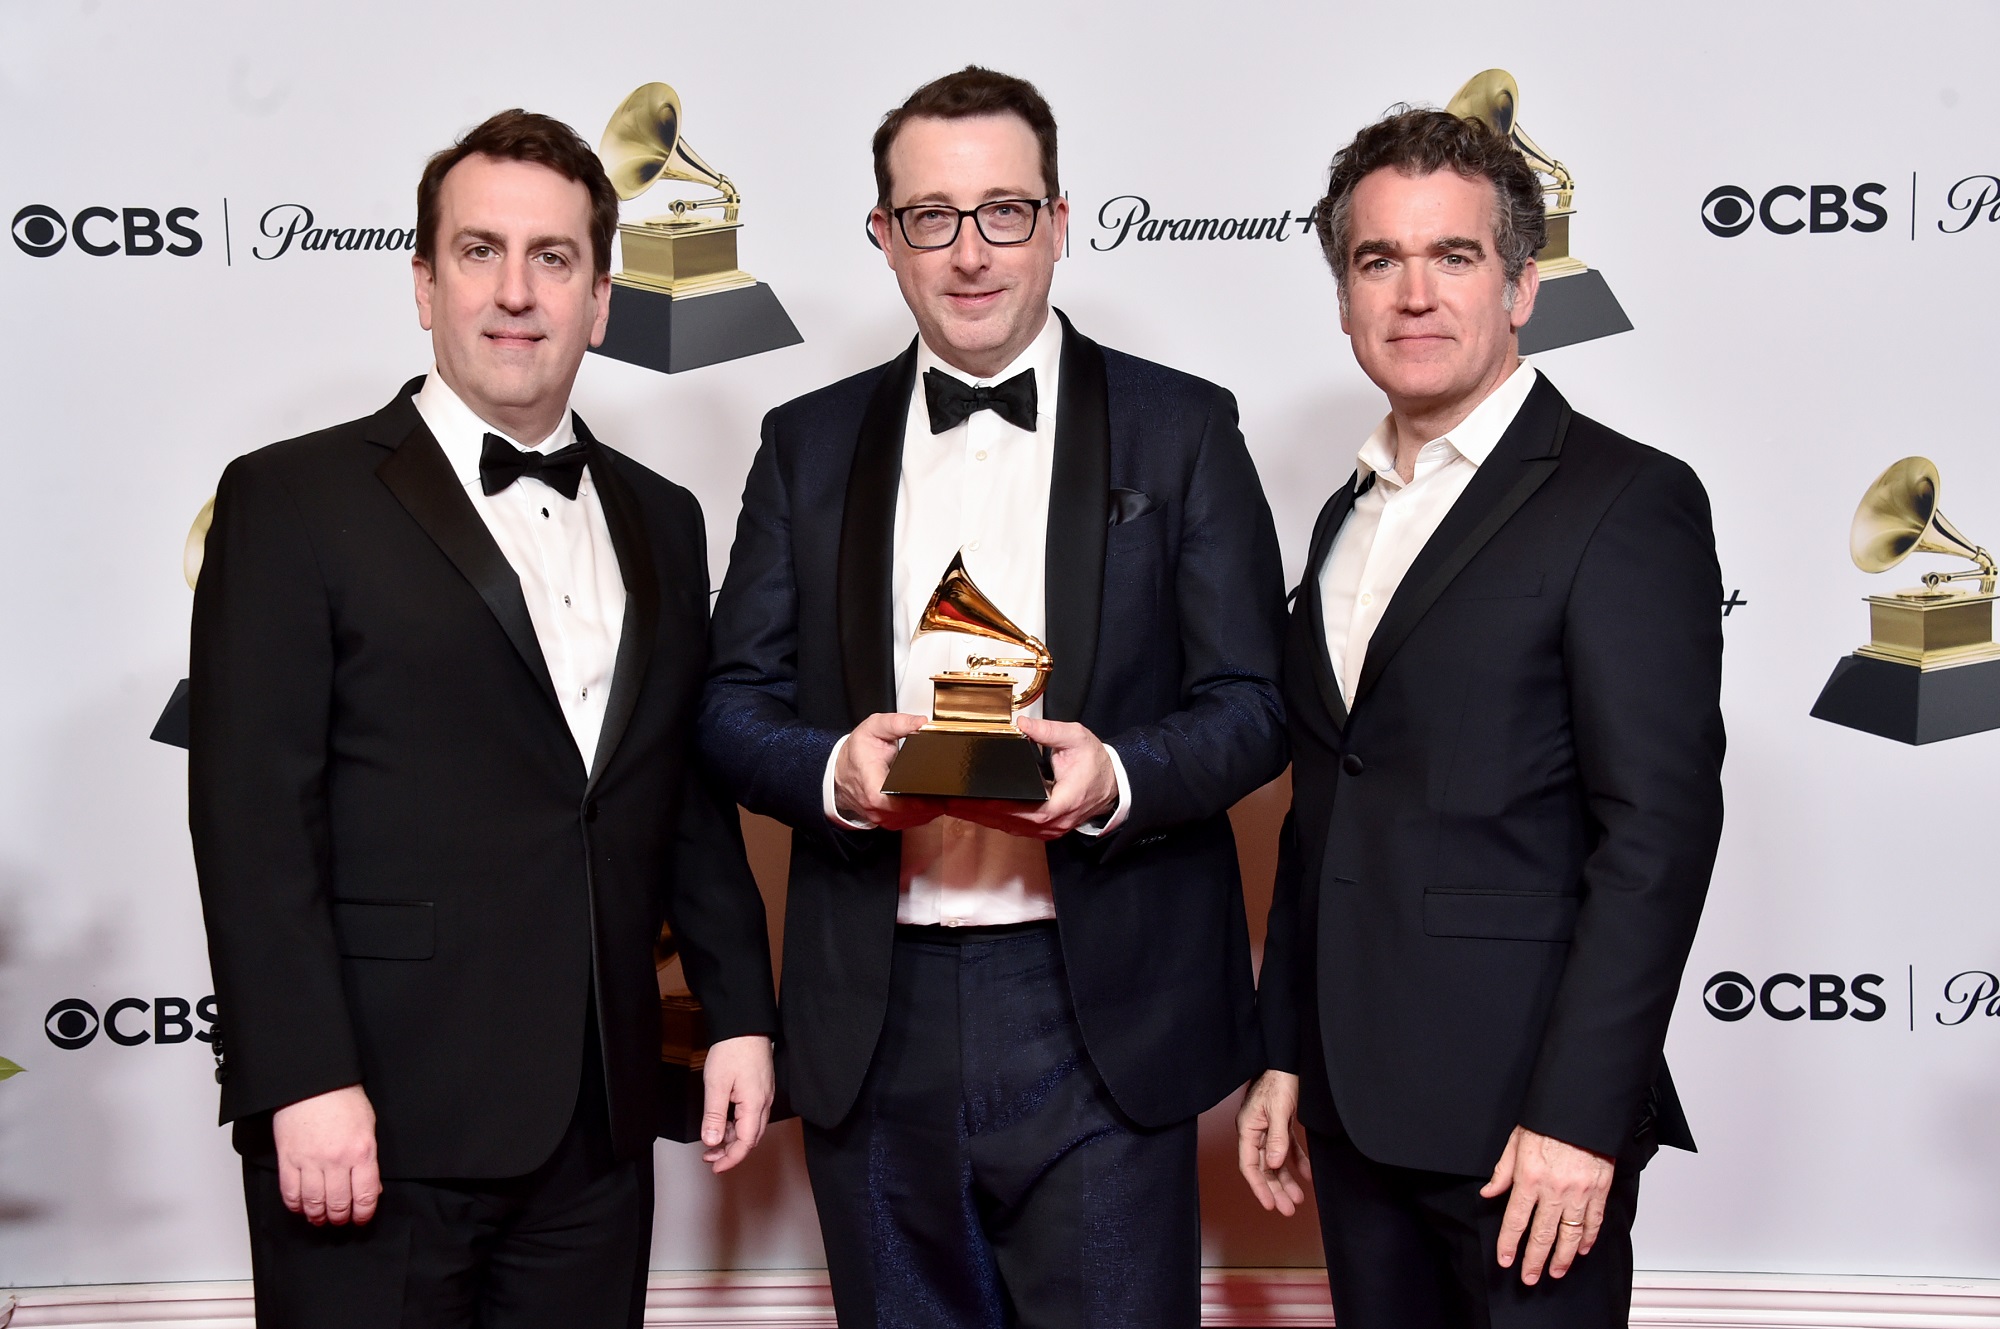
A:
(1000, 1020)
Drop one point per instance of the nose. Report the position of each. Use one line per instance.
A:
(970, 252)
(1417, 291)
(516, 293)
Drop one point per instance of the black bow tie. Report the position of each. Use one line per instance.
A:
(952, 400)
(501, 464)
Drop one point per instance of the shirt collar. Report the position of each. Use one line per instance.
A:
(1474, 437)
(462, 434)
(1043, 355)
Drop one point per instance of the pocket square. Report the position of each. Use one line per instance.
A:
(1130, 505)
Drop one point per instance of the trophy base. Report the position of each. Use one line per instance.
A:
(172, 726)
(952, 763)
(1911, 704)
(656, 331)
(1573, 307)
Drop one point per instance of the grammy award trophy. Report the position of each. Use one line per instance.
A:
(1931, 669)
(972, 748)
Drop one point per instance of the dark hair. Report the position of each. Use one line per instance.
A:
(969, 92)
(523, 136)
(1418, 142)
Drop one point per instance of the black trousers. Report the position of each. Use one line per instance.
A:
(1408, 1249)
(985, 1178)
(566, 1245)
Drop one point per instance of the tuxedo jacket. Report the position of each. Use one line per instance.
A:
(1496, 859)
(1165, 613)
(410, 878)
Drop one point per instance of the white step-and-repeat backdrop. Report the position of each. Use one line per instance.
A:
(1797, 207)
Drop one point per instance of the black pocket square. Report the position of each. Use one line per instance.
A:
(1130, 505)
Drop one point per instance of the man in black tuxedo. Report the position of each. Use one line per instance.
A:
(1502, 684)
(443, 790)
(1001, 1019)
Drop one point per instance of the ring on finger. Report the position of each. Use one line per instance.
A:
(1571, 1222)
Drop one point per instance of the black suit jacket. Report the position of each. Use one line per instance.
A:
(1494, 865)
(1165, 615)
(409, 878)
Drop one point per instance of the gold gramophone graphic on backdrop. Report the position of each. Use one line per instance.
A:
(972, 748)
(681, 300)
(172, 726)
(1575, 304)
(1930, 669)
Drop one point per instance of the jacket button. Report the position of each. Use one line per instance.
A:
(590, 810)
(1352, 764)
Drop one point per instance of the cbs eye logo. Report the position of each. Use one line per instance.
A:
(1731, 210)
(1730, 996)
(41, 232)
(73, 1023)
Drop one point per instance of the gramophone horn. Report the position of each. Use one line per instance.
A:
(643, 145)
(1899, 516)
(1494, 99)
(958, 605)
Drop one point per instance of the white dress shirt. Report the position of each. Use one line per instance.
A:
(561, 550)
(1394, 520)
(981, 490)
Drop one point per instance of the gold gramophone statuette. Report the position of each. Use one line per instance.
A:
(1932, 626)
(680, 253)
(972, 748)
(1494, 99)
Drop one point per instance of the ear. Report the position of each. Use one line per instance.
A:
(1059, 224)
(600, 291)
(426, 283)
(879, 226)
(1525, 287)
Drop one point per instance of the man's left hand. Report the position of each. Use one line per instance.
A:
(1086, 787)
(1558, 1202)
(737, 1073)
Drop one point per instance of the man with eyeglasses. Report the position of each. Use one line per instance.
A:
(1000, 1020)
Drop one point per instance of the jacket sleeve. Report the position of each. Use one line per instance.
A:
(1278, 982)
(1643, 654)
(1228, 737)
(260, 696)
(768, 758)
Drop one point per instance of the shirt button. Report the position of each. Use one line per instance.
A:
(545, 513)
(1367, 598)
(953, 922)
(586, 694)
(980, 455)
(565, 599)
(973, 547)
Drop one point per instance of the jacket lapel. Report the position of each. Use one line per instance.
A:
(420, 477)
(865, 573)
(1079, 519)
(1521, 463)
(642, 600)
(1331, 518)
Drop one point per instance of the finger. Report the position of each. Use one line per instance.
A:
(1541, 1240)
(1290, 1194)
(1593, 1220)
(734, 1150)
(717, 1152)
(339, 1195)
(1302, 1159)
(367, 1190)
(752, 1117)
(312, 1194)
(1503, 1171)
(1050, 733)
(1277, 1143)
(1569, 1233)
(289, 1185)
(1514, 1225)
(1250, 1162)
(715, 1091)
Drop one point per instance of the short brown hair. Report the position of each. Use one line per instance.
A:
(523, 136)
(970, 92)
(1418, 142)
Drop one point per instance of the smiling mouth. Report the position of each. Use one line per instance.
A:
(514, 339)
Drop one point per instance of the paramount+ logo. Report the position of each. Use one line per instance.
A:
(40, 231)
(74, 1023)
(1731, 210)
(1731, 996)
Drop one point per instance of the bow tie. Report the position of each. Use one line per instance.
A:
(501, 464)
(952, 401)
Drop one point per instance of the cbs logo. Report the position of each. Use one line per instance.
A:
(1789, 209)
(1731, 996)
(41, 232)
(73, 1023)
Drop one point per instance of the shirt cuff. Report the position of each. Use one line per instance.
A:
(826, 791)
(1120, 814)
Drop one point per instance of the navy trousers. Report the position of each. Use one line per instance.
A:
(985, 1179)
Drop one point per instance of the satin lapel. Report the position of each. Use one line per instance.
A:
(642, 600)
(422, 481)
(1079, 520)
(865, 574)
(1331, 518)
(1521, 463)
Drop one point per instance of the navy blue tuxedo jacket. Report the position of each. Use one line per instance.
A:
(1165, 616)
(1497, 857)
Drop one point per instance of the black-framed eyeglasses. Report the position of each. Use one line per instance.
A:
(1000, 221)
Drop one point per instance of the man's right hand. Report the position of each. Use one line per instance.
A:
(326, 1157)
(863, 765)
(1267, 1136)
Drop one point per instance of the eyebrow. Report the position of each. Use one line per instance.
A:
(1442, 245)
(937, 196)
(534, 242)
